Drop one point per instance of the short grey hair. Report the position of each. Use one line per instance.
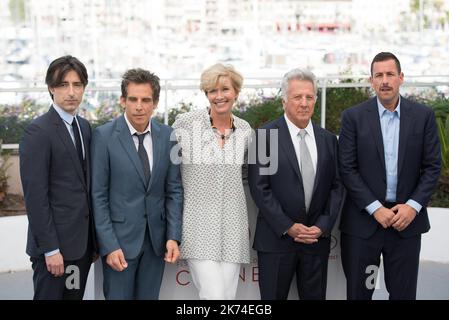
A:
(297, 74)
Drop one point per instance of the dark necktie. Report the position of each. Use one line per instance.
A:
(143, 157)
(78, 145)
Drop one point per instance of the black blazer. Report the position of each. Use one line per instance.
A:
(362, 164)
(55, 188)
(280, 197)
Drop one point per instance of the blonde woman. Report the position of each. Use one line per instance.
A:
(214, 146)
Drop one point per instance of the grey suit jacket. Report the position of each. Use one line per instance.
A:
(122, 203)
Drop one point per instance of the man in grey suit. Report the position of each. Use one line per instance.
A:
(136, 193)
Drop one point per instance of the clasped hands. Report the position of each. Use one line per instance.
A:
(398, 217)
(304, 234)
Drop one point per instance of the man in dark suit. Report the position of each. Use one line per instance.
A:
(137, 193)
(298, 193)
(389, 163)
(55, 173)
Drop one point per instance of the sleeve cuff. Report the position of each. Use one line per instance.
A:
(52, 253)
(371, 208)
(415, 205)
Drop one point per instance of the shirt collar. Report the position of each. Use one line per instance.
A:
(382, 109)
(67, 117)
(133, 130)
(295, 130)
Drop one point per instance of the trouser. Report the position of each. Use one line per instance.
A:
(214, 280)
(70, 286)
(361, 257)
(141, 280)
(276, 271)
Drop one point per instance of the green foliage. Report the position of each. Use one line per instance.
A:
(14, 119)
(11, 128)
(173, 113)
(337, 100)
(443, 132)
(440, 106)
(4, 165)
(106, 112)
(440, 197)
(261, 113)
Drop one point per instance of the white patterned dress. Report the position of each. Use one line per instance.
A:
(215, 218)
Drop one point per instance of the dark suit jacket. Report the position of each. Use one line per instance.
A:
(123, 204)
(55, 189)
(280, 197)
(362, 164)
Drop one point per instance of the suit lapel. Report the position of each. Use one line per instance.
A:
(286, 143)
(128, 145)
(157, 145)
(85, 133)
(404, 124)
(64, 135)
(320, 148)
(374, 122)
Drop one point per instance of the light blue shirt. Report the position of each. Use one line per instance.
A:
(68, 119)
(389, 124)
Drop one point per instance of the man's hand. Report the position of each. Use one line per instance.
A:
(296, 230)
(309, 235)
(116, 260)
(304, 234)
(403, 217)
(384, 216)
(55, 264)
(172, 253)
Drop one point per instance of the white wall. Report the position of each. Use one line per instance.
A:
(13, 236)
(13, 172)
(434, 243)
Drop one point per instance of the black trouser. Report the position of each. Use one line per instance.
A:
(400, 259)
(276, 271)
(49, 287)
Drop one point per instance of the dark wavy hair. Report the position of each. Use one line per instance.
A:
(59, 68)
(141, 76)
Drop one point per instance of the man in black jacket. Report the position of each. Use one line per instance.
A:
(300, 199)
(389, 163)
(55, 173)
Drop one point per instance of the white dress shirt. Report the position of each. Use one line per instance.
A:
(147, 141)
